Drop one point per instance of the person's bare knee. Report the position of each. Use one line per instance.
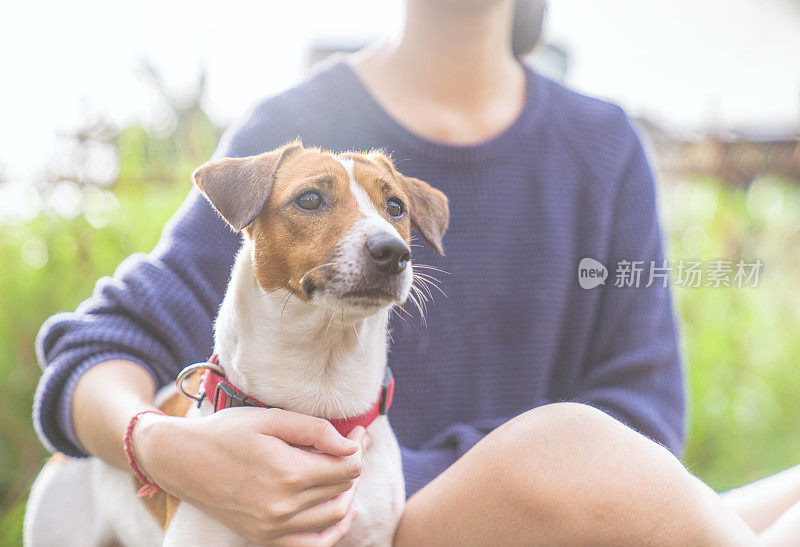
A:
(557, 461)
(568, 473)
(579, 471)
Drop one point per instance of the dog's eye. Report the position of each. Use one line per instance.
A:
(395, 208)
(309, 201)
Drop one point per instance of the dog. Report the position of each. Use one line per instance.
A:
(326, 254)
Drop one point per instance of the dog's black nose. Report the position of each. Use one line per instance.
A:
(390, 254)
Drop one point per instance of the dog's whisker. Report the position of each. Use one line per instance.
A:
(437, 288)
(429, 267)
(414, 301)
(423, 291)
(286, 301)
(427, 291)
(427, 276)
(419, 308)
(419, 293)
(424, 308)
(395, 312)
(405, 311)
(418, 298)
(262, 295)
(415, 297)
(400, 308)
(311, 270)
(355, 330)
(426, 281)
(424, 287)
(333, 314)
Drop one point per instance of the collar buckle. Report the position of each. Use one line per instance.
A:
(233, 398)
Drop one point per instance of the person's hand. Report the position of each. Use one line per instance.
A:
(240, 467)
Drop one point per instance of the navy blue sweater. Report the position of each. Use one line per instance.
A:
(568, 179)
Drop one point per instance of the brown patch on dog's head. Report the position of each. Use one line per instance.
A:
(289, 240)
(326, 224)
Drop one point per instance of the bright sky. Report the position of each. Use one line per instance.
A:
(685, 63)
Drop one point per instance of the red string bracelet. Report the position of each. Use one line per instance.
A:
(148, 487)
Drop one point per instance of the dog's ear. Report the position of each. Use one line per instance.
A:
(238, 188)
(429, 211)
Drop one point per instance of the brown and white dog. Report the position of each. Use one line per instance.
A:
(303, 327)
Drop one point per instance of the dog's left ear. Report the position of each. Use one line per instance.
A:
(238, 188)
(429, 211)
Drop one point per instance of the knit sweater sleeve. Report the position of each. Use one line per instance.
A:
(633, 370)
(156, 310)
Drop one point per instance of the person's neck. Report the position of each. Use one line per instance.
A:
(457, 62)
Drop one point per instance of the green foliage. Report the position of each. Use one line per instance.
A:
(51, 264)
(77, 255)
(740, 344)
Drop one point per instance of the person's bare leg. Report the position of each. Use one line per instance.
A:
(785, 530)
(760, 503)
(568, 474)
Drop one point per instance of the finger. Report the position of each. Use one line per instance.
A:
(318, 494)
(357, 434)
(321, 469)
(329, 536)
(323, 514)
(304, 430)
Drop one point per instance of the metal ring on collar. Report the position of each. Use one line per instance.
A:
(189, 371)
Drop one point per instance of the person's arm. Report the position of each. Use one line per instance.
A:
(633, 370)
(103, 402)
(156, 311)
(272, 490)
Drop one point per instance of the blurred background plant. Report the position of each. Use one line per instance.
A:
(109, 198)
(724, 194)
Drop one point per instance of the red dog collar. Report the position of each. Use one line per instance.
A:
(225, 395)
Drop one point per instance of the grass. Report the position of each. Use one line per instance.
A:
(741, 344)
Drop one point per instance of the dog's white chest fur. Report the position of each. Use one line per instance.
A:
(302, 358)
